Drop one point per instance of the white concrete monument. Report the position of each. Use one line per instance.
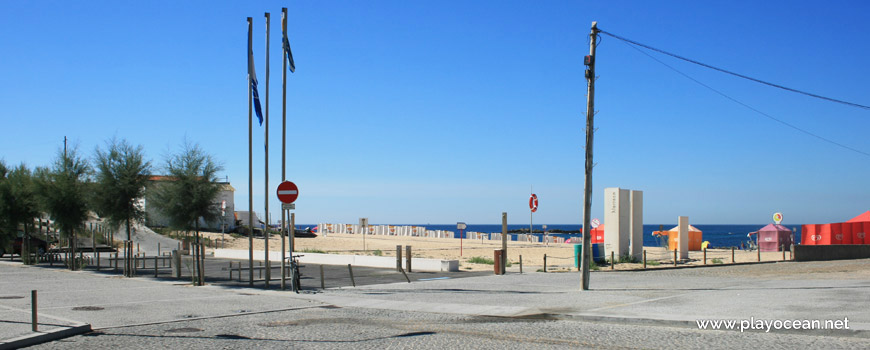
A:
(683, 236)
(636, 224)
(623, 222)
(616, 221)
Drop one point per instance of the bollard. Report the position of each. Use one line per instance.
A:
(322, 283)
(732, 255)
(675, 257)
(612, 261)
(155, 266)
(350, 270)
(545, 262)
(705, 256)
(98, 261)
(231, 270)
(176, 257)
(202, 266)
(644, 259)
(116, 262)
(33, 315)
(158, 248)
(408, 257)
(791, 252)
(759, 253)
(521, 264)
(783, 252)
(398, 257)
(260, 271)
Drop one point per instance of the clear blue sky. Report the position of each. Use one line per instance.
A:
(437, 112)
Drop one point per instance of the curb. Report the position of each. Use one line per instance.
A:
(44, 337)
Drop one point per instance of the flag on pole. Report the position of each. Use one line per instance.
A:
(253, 78)
(286, 43)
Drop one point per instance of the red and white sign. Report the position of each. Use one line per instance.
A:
(287, 192)
(595, 223)
(533, 202)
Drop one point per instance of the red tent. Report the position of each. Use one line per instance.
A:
(861, 218)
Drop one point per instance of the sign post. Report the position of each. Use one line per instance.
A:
(533, 206)
(363, 227)
(287, 194)
(460, 226)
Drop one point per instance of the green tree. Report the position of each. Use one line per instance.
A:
(191, 193)
(64, 190)
(20, 205)
(122, 173)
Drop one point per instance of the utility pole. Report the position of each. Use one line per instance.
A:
(589, 61)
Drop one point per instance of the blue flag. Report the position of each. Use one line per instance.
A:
(253, 78)
(286, 43)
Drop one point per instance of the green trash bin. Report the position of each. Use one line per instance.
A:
(578, 251)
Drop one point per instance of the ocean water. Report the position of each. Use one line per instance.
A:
(718, 235)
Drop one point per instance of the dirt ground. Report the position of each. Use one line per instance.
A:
(559, 256)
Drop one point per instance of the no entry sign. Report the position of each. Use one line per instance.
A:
(533, 202)
(287, 192)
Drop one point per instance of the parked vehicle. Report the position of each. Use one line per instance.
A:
(37, 245)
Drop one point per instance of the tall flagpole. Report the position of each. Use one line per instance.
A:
(266, 220)
(283, 145)
(250, 162)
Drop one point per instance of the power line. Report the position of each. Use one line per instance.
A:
(736, 74)
(748, 106)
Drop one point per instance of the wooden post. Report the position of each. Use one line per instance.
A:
(759, 251)
(350, 270)
(675, 257)
(521, 264)
(408, 257)
(504, 251)
(231, 271)
(644, 259)
(705, 256)
(791, 252)
(155, 266)
(612, 260)
(322, 283)
(398, 256)
(98, 261)
(176, 257)
(202, 265)
(732, 255)
(783, 251)
(116, 261)
(545, 262)
(34, 317)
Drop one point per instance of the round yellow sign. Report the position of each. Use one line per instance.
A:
(777, 218)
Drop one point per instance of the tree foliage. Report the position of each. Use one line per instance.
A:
(122, 174)
(18, 201)
(192, 189)
(65, 190)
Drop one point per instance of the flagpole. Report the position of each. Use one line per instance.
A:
(268, 263)
(283, 145)
(250, 162)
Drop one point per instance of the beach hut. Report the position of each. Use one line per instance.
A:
(773, 238)
(695, 237)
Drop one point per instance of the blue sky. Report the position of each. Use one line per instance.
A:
(437, 112)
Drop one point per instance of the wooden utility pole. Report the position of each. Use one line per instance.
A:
(589, 61)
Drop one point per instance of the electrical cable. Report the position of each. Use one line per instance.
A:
(750, 107)
(735, 74)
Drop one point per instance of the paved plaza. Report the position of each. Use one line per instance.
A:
(642, 309)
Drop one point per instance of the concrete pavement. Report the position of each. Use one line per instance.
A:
(674, 299)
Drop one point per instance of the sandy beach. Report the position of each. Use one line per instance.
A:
(560, 257)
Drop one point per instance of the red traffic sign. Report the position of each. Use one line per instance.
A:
(533, 202)
(287, 192)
